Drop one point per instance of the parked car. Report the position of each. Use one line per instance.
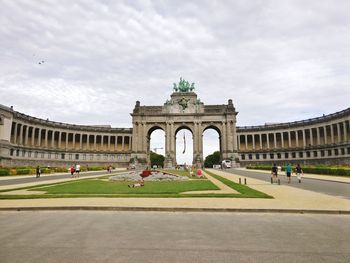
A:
(226, 164)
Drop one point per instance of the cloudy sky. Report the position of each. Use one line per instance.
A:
(277, 60)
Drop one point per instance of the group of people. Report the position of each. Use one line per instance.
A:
(74, 170)
(289, 170)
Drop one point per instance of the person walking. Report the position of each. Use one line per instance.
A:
(288, 171)
(77, 170)
(38, 171)
(274, 173)
(72, 170)
(299, 172)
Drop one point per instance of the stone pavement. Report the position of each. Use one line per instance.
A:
(332, 178)
(286, 199)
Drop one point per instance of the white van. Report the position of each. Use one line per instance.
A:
(226, 164)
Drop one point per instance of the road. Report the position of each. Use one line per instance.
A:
(103, 236)
(327, 187)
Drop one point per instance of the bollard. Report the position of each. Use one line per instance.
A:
(271, 180)
(245, 180)
(240, 180)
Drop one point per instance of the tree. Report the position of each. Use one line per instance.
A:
(212, 159)
(157, 159)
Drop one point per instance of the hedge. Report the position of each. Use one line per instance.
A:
(22, 171)
(4, 171)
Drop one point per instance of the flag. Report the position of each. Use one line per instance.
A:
(184, 144)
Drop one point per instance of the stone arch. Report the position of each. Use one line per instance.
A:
(150, 130)
(183, 111)
(216, 128)
(184, 126)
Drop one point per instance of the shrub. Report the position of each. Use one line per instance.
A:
(95, 168)
(4, 171)
(22, 171)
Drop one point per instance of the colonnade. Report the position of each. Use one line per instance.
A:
(33, 136)
(336, 132)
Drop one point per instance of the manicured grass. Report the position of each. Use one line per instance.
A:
(102, 188)
(177, 172)
(105, 187)
(243, 189)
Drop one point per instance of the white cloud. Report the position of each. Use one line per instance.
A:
(278, 60)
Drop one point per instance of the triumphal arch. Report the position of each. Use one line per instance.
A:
(184, 110)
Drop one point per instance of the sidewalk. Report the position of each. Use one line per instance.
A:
(332, 178)
(286, 199)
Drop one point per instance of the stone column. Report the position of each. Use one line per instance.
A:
(73, 143)
(345, 131)
(246, 141)
(21, 135)
(224, 139)
(304, 138)
(109, 142)
(26, 136)
(39, 137)
(332, 133)
(95, 142)
(260, 141)
(268, 141)
(172, 139)
(33, 136)
(15, 134)
(59, 139)
(88, 141)
(253, 141)
(67, 135)
(338, 132)
(101, 142)
(123, 139)
(282, 140)
(318, 135)
(311, 137)
(53, 139)
(297, 138)
(289, 140)
(325, 134)
(200, 138)
(274, 140)
(130, 142)
(46, 138)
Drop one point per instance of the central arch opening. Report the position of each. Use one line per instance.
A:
(184, 146)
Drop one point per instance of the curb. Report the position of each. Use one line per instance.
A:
(172, 209)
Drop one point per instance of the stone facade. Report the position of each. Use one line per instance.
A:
(184, 110)
(26, 140)
(322, 140)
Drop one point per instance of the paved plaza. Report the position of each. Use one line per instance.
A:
(109, 236)
(298, 225)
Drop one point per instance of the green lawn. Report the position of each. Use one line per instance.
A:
(243, 189)
(177, 172)
(102, 188)
(106, 187)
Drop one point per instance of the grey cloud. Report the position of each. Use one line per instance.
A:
(278, 60)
